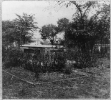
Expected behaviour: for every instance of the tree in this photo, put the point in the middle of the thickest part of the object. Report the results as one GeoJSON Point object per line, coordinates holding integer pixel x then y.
{"type": "Point", "coordinates": [85, 30]}
{"type": "Point", "coordinates": [82, 11]}
{"type": "Point", "coordinates": [104, 23]}
{"type": "Point", "coordinates": [77, 27]}
{"type": "Point", "coordinates": [49, 32]}
{"type": "Point", "coordinates": [7, 33]}
{"type": "Point", "coordinates": [20, 29]}
{"type": "Point", "coordinates": [24, 27]}
{"type": "Point", "coordinates": [62, 24]}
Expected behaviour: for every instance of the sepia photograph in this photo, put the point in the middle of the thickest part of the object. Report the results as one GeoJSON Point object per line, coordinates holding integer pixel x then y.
{"type": "Point", "coordinates": [56, 49]}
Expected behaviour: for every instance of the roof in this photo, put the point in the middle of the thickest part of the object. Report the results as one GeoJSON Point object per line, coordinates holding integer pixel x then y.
{"type": "Point", "coordinates": [40, 46]}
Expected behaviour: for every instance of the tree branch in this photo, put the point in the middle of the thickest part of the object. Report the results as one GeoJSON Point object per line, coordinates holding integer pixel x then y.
{"type": "Point", "coordinates": [78, 7]}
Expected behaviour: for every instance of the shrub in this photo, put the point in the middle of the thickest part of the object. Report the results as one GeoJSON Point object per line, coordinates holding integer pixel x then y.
{"type": "Point", "coordinates": [82, 59]}
{"type": "Point", "coordinates": [13, 58]}
{"type": "Point", "coordinates": [59, 62]}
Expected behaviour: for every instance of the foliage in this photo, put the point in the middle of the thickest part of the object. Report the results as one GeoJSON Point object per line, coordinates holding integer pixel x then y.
{"type": "Point", "coordinates": [7, 32]}
{"type": "Point", "coordinates": [86, 30]}
{"type": "Point", "coordinates": [34, 62]}
{"type": "Point", "coordinates": [24, 26]}
{"type": "Point", "coordinates": [104, 24]}
{"type": "Point", "coordinates": [13, 58]}
{"type": "Point", "coordinates": [49, 32]}
{"type": "Point", "coordinates": [85, 27]}
{"type": "Point", "coordinates": [62, 24]}
{"type": "Point", "coordinates": [19, 29]}
{"type": "Point", "coordinates": [89, 82]}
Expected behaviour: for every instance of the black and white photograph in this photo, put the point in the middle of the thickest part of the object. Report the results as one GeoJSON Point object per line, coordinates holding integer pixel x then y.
{"type": "Point", "coordinates": [55, 49]}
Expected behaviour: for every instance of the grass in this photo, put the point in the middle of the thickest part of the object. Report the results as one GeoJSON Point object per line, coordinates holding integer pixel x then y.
{"type": "Point", "coordinates": [82, 83]}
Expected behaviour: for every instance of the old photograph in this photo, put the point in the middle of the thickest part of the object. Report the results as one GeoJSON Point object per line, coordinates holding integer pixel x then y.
{"type": "Point", "coordinates": [56, 49]}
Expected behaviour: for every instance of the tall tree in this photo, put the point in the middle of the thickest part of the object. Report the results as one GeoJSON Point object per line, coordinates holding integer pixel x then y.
{"type": "Point", "coordinates": [49, 32]}
{"type": "Point", "coordinates": [83, 31]}
{"type": "Point", "coordinates": [19, 29]}
{"type": "Point", "coordinates": [104, 23]}
{"type": "Point", "coordinates": [62, 24]}
{"type": "Point", "coordinates": [24, 27]}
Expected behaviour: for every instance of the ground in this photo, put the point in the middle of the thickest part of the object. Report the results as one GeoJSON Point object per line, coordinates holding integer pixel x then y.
{"type": "Point", "coordinates": [82, 83]}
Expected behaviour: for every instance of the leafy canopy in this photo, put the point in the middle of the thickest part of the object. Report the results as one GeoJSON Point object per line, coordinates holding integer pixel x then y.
{"type": "Point", "coordinates": [19, 29]}
{"type": "Point", "coordinates": [49, 32]}
{"type": "Point", "coordinates": [86, 29]}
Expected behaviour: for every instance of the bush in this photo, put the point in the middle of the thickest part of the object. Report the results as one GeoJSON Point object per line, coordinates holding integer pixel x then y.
{"type": "Point", "coordinates": [82, 59]}
{"type": "Point", "coordinates": [35, 62]}
{"type": "Point", "coordinates": [13, 58]}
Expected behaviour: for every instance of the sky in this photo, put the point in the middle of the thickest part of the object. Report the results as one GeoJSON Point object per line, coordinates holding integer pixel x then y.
{"type": "Point", "coordinates": [45, 12]}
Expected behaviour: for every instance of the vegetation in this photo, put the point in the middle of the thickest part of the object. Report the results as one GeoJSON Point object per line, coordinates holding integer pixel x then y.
{"type": "Point", "coordinates": [86, 83]}
{"type": "Point", "coordinates": [81, 34]}
{"type": "Point", "coordinates": [77, 69]}
{"type": "Point", "coordinates": [12, 58]}
{"type": "Point", "coordinates": [18, 30]}
{"type": "Point", "coordinates": [49, 32]}
{"type": "Point", "coordinates": [85, 31]}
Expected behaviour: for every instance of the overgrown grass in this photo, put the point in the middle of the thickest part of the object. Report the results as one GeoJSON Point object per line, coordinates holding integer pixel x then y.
{"type": "Point", "coordinates": [82, 83]}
